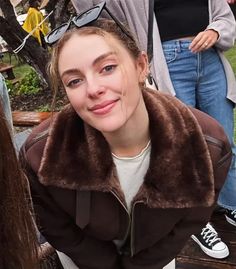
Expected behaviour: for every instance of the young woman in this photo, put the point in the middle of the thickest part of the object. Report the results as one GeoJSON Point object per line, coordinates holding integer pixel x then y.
{"type": "Point", "coordinates": [122, 176]}
{"type": "Point", "coordinates": [188, 40]}
{"type": "Point", "coordinates": [18, 241]}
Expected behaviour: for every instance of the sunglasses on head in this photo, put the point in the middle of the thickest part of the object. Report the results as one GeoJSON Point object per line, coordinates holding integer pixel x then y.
{"type": "Point", "coordinates": [81, 20]}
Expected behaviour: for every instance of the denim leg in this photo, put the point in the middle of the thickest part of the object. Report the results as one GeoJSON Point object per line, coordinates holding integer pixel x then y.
{"type": "Point", "coordinates": [182, 69]}
{"type": "Point", "coordinates": [199, 81]}
{"type": "Point", "coordinates": [211, 98]}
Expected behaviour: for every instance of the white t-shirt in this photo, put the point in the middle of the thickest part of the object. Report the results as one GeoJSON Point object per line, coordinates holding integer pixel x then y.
{"type": "Point", "coordinates": [131, 172]}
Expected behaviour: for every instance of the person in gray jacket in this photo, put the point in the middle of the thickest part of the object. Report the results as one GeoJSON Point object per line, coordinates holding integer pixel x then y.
{"type": "Point", "coordinates": [188, 62]}
{"type": "Point", "coordinates": [5, 101]}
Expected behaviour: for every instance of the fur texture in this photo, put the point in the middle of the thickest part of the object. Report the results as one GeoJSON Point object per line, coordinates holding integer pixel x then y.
{"type": "Point", "coordinates": [76, 156]}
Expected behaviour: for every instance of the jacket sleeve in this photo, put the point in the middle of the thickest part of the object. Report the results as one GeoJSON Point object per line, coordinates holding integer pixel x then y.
{"type": "Point", "coordinates": [61, 231]}
{"type": "Point", "coordinates": [218, 145]}
{"type": "Point", "coordinates": [221, 156]}
{"type": "Point", "coordinates": [167, 248]}
{"type": "Point", "coordinates": [224, 23]}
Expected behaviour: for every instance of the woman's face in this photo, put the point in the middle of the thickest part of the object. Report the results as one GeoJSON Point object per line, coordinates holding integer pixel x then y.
{"type": "Point", "coordinates": [101, 80]}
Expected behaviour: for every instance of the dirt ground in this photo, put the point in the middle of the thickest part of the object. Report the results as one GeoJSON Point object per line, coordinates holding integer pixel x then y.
{"type": "Point", "coordinates": [35, 102]}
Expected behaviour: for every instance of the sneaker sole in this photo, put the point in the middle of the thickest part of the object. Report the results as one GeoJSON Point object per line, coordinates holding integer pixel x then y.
{"type": "Point", "coordinates": [229, 220]}
{"type": "Point", "coordinates": [214, 254]}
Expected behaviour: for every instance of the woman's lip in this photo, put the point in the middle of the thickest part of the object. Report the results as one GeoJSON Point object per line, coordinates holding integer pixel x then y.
{"type": "Point", "coordinates": [103, 108]}
{"type": "Point", "coordinates": [102, 105]}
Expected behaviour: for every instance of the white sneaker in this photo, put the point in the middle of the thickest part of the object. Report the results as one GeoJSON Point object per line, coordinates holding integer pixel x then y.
{"type": "Point", "coordinates": [210, 243]}
{"type": "Point", "coordinates": [230, 216]}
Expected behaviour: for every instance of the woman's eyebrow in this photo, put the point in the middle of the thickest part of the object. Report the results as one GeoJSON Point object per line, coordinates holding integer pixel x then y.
{"type": "Point", "coordinates": [103, 56]}
{"type": "Point", "coordinates": [69, 72]}
{"type": "Point", "coordinates": [95, 62]}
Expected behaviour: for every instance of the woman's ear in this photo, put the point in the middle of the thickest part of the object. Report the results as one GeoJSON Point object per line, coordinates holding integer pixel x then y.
{"type": "Point", "coordinates": [142, 66]}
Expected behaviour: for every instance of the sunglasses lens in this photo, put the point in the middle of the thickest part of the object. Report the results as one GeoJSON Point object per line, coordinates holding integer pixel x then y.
{"type": "Point", "coordinates": [87, 17]}
{"type": "Point", "coordinates": [56, 34]}
{"type": "Point", "coordinates": [81, 20]}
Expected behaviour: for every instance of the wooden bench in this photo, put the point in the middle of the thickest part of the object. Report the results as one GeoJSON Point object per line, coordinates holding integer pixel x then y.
{"type": "Point", "coordinates": [7, 70]}
{"type": "Point", "coordinates": [29, 118]}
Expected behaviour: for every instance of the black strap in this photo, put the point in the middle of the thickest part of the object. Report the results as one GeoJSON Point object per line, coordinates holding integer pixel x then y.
{"type": "Point", "coordinates": [83, 199]}
{"type": "Point", "coordinates": [150, 30]}
{"type": "Point", "coordinates": [150, 78]}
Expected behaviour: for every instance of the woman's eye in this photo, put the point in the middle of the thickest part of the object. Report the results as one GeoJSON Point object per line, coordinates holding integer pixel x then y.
{"type": "Point", "coordinates": [74, 82]}
{"type": "Point", "coordinates": [109, 68]}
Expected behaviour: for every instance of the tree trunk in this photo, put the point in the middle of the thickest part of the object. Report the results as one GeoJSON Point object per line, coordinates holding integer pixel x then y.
{"type": "Point", "coordinates": [49, 7]}
{"type": "Point", "coordinates": [13, 34]}
{"type": "Point", "coordinates": [60, 14]}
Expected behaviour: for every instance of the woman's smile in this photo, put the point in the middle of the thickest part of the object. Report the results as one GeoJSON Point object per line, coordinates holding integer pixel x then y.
{"type": "Point", "coordinates": [104, 107]}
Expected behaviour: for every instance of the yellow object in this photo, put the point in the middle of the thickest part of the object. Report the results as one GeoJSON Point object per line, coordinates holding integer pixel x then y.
{"type": "Point", "coordinates": [33, 19]}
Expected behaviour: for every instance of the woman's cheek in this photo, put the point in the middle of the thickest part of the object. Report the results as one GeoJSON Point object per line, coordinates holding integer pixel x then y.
{"type": "Point", "coordinates": [77, 101]}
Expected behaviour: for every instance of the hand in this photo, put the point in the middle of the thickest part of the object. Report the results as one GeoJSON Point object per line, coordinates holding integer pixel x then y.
{"type": "Point", "coordinates": [204, 40]}
{"type": "Point", "coordinates": [231, 1]}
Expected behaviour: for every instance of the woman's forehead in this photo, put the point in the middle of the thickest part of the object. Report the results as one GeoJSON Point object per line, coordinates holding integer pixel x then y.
{"type": "Point", "coordinates": [86, 51]}
{"type": "Point", "coordinates": [88, 45]}
{"type": "Point", "coordinates": [105, 37]}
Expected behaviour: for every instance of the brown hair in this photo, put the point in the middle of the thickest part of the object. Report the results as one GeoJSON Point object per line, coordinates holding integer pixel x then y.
{"type": "Point", "coordinates": [34, 3]}
{"type": "Point", "coordinates": [101, 27]}
{"type": "Point", "coordinates": [18, 240]}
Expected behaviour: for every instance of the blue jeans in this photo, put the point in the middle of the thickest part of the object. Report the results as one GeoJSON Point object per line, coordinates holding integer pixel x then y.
{"type": "Point", "coordinates": [199, 81]}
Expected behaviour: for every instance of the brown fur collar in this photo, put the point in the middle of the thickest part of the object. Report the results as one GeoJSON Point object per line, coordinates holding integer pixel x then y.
{"type": "Point", "coordinates": [180, 175]}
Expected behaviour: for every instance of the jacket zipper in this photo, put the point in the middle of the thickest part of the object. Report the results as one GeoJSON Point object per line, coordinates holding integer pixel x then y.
{"type": "Point", "coordinates": [126, 210]}
{"type": "Point", "coordinates": [132, 248]}
{"type": "Point", "coordinates": [131, 222]}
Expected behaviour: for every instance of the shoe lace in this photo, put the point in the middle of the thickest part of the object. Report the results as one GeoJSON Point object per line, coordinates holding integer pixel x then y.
{"type": "Point", "coordinates": [233, 212]}
{"type": "Point", "coordinates": [210, 235]}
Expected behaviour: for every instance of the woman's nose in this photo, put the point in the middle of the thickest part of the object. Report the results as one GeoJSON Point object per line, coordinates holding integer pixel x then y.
{"type": "Point", "coordinates": [94, 88]}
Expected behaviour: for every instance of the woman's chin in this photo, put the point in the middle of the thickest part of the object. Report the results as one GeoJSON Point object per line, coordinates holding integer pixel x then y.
{"type": "Point", "coordinates": [109, 126]}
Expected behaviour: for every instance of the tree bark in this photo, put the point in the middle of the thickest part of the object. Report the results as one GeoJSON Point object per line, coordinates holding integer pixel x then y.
{"type": "Point", "coordinates": [49, 7]}
{"type": "Point", "coordinates": [13, 34]}
{"type": "Point", "coordinates": [60, 14]}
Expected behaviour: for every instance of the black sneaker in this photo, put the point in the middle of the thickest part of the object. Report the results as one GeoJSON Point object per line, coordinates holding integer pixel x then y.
{"type": "Point", "coordinates": [230, 216]}
{"type": "Point", "coordinates": [210, 243]}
